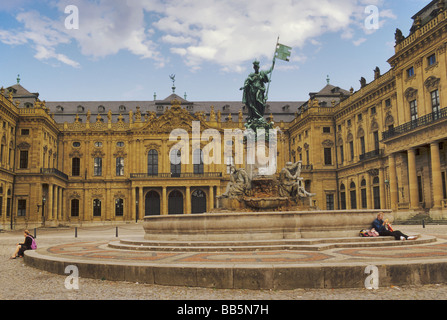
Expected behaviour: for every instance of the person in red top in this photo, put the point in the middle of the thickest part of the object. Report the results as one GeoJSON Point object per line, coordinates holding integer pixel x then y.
{"type": "Point", "coordinates": [22, 247]}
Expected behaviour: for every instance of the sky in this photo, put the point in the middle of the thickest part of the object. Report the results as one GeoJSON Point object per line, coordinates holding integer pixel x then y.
{"type": "Point", "coordinates": [126, 50]}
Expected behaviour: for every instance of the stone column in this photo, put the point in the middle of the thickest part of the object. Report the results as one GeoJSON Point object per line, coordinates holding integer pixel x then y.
{"type": "Point", "coordinates": [383, 203]}
{"type": "Point", "coordinates": [436, 175]}
{"type": "Point", "coordinates": [412, 179]}
{"type": "Point", "coordinates": [133, 203]}
{"type": "Point", "coordinates": [211, 202]}
{"type": "Point", "coordinates": [369, 192]}
{"type": "Point", "coordinates": [50, 202]}
{"type": "Point", "coordinates": [164, 201]}
{"type": "Point", "coordinates": [63, 206]}
{"type": "Point", "coordinates": [141, 201]}
{"type": "Point", "coordinates": [394, 197]}
{"type": "Point", "coordinates": [188, 200]}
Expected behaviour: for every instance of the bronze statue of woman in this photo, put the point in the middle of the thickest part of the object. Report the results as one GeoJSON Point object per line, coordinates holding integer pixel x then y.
{"type": "Point", "coordinates": [254, 92]}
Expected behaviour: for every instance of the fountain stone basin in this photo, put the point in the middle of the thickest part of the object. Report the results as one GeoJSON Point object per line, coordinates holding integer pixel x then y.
{"type": "Point", "coordinates": [260, 225]}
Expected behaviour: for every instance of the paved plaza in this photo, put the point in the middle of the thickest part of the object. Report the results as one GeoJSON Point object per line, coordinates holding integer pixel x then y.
{"type": "Point", "coordinates": [91, 242]}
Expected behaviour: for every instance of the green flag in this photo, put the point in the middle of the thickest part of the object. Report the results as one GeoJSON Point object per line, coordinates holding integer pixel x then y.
{"type": "Point", "coordinates": [283, 52]}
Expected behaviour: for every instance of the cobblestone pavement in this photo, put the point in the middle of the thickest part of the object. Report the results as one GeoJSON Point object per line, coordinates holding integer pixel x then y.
{"type": "Point", "coordinates": [16, 277]}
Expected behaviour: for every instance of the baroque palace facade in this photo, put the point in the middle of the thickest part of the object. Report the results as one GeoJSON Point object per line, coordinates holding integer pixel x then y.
{"type": "Point", "coordinates": [381, 147]}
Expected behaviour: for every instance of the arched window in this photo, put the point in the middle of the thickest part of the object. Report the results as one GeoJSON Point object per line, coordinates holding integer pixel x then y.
{"type": "Point", "coordinates": [353, 194]}
{"type": "Point", "coordinates": [176, 163]}
{"type": "Point", "coordinates": [376, 192]}
{"type": "Point", "coordinates": [198, 161]}
{"type": "Point", "coordinates": [198, 201]}
{"type": "Point", "coordinates": [342, 197]}
{"type": "Point", "coordinates": [363, 194]}
{"type": "Point", "coordinates": [152, 163]}
{"type": "Point", "coordinates": [175, 202]}
{"type": "Point", "coordinates": [152, 203]}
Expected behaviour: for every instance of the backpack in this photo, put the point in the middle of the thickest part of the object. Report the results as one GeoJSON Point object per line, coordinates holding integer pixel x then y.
{"type": "Point", "coordinates": [369, 233]}
{"type": "Point", "coordinates": [33, 244]}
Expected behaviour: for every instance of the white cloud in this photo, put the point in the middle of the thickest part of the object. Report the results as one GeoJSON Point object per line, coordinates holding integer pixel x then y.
{"type": "Point", "coordinates": [228, 33]}
{"type": "Point", "coordinates": [358, 41]}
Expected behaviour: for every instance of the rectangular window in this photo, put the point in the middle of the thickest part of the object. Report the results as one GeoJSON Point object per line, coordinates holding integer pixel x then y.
{"type": "Point", "coordinates": [342, 155]}
{"type": "Point", "coordinates": [328, 156]}
{"type": "Point", "coordinates": [21, 208]}
{"type": "Point", "coordinates": [96, 208]}
{"type": "Point", "coordinates": [410, 72]}
{"type": "Point", "coordinates": [431, 60]}
{"type": "Point", "coordinates": [435, 104]}
{"type": "Point", "coordinates": [376, 140]}
{"type": "Point", "coordinates": [414, 111]}
{"type": "Point", "coordinates": [25, 132]}
{"type": "Point", "coordinates": [97, 170]}
{"type": "Point", "coordinates": [75, 208]}
{"type": "Point", "coordinates": [23, 159]}
{"type": "Point", "coordinates": [373, 110]}
{"type": "Point", "coordinates": [120, 166]}
{"type": "Point", "coordinates": [388, 103]}
{"type": "Point", "coordinates": [75, 167]}
{"type": "Point", "coordinates": [330, 202]}
{"type": "Point", "coordinates": [326, 129]}
{"type": "Point", "coordinates": [119, 207]}
{"type": "Point", "coordinates": [351, 145]}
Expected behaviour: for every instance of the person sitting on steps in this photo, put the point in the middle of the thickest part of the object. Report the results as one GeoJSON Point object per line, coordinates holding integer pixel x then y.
{"type": "Point", "coordinates": [384, 228]}
{"type": "Point", "coordinates": [22, 247]}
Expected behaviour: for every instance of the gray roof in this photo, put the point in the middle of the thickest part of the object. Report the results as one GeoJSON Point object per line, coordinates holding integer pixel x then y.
{"type": "Point", "coordinates": [65, 111]}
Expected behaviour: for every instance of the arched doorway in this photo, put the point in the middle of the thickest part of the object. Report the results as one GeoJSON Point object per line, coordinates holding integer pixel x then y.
{"type": "Point", "coordinates": [152, 204]}
{"type": "Point", "coordinates": [198, 201]}
{"type": "Point", "coordinates": [175, 203]}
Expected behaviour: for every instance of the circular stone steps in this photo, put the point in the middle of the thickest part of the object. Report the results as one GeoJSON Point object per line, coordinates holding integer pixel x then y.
{"type": "Point", "coordinates": [263, 245]}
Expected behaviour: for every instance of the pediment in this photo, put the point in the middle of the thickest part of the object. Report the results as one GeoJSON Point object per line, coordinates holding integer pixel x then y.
{"type": "Point", "coordinates": [174, 117]}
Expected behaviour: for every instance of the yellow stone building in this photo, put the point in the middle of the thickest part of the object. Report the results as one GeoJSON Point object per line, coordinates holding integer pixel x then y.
{"type": "Point", "coordinates": [381, 147]}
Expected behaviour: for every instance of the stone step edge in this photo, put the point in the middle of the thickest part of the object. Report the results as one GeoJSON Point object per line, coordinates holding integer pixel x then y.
{"type": "Point", "coordinates": [313, 247]}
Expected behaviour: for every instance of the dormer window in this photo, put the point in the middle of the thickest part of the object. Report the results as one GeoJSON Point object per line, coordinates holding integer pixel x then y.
{"type": "Point", "coordinates": [101, 109]}
{"type": "Point", "coordinates": [122, 109]}
{"type": "Point", "coordinates": [58, 108]}
{"type": "Point", "coordinates": [336, 90]}
{"type": "Point", "coordinates": [80, 109]}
